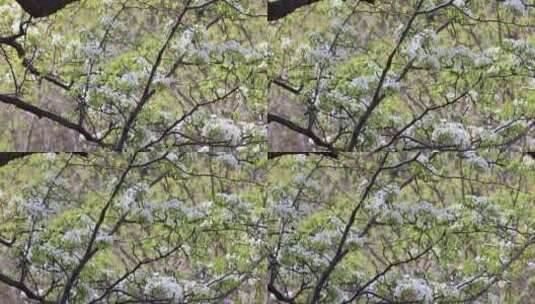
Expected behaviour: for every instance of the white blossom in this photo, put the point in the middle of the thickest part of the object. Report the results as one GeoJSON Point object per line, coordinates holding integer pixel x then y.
{"type": "Point", "coordinates": [306, 181]}
{"type": "Point", "coordinates": [192, 213]}
{"type": "Point", "coordinates": [417, 287]}
{"type": "Point", "coordinates": [128, 200]}
{"type": "Point", "coordinates": [336, 3]}
{"type": "Point", "coordinates": [451, 133]}
{"type": "Point", "coordinates": [414, 46]}
{"type": "Point", "coordinates": [91, 49]}
{"type": "Point", "coordinates": [323, 237]}
{"type": "Point", "coordinates": [73, 236]}
{"type": "Point", "coordinates": [172, 156]}
{"type": "Point", "coordinates": [164, 286]}
{"type": "Point", "coordinates": [227, 158]}
{"type": "Point", "coordinates": [204, 149]}
{"type": "Point", "coordinates": [459, 3]}
{"type": "Point", "coordinates": [222, 129]}
{"type": "Point", "coordinates": [283, 207]}
{"type": "Point", "coordinates": [476, 160]}
{"type": "Point", "coordinates": [131, 78]}
{"type": "Point", "coordinates": [173, 204]}
{"type": "Point", "coordinates": [108, 21]}
{"type": "Point", "coordinates": [37, 207]}
{"type": "Point", "coordinates": [516, 4]}
{"type": "Point", "coordinates": [104, 238]}
{"type": "Point", "coordinates": [286, 42]}
{"type": "Point", "coordinates": [362, 82]}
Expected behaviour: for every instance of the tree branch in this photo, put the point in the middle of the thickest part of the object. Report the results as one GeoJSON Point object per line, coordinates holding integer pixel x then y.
{"type": "Point", "coordinates": [272, 155]}
{"type": "Point", "coordinates": [91, 249]}
{"type": "Point", "coordinates": [378, 95]}
{"type": "Point", "coordinates": [40, 113]}
{"type": "Point", "coordinates": [40, 8]}
{"type": "Point", "coordinates": [148, 92]}
{"type": "Point", "coordinates": [20, 286]}
{"type": "Point", "coordinates": [281, 8]}
{"type": "Point", "coordinates": [293, 126]}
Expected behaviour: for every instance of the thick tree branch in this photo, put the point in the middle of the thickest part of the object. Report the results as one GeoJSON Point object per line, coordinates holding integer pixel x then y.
{"type": "Point", "coordinates": [20, 286]}
{"type": "Point", "coordinates": [293, 126]}
{"type": "Point", "coordinates": [285, 85]}
{"type": "Point", "coordinates": [281, 8]}
{"type": "Point", "coordinates": [40, 8]}
{"type": "Point", "coordinates": [272, 155]}
{"type": "Point", "coordinates": [17, 102]}
{"type": "Point", "coordinates": [6, 157]}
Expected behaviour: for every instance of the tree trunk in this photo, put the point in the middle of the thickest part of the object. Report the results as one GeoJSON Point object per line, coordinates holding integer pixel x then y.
{"type": "Point", "coordinates": [40, 8]}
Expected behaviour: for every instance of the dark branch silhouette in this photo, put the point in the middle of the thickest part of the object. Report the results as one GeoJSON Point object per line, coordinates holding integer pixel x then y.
{"type": "Point", "coordinates": [282, 8]}
{"type": "Point", "coordinates": [272, 155]}
{"type": "Point", "coordinates": [40, 8]}
{"type": "Point", "coordinates": [9, 156]}
{"type": "Point", "coordinates": [295, 127]}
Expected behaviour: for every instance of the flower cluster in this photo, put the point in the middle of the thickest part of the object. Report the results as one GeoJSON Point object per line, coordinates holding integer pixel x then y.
{"type": "Point", "coordinates": [415, 288]}
{"type": "Point", "coordinates": [451, 133]}
{"type": "Point", "coordinates": [222, 129]}
{"type": "Point", "coordinates": [164, 286]}
{"type": "Point", "coordinates": [476, 160]}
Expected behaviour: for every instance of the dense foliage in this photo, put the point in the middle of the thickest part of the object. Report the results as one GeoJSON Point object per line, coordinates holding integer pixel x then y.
{"type": "Point", "coordinates": [407, 75]}
{"type": "Point", "coordinates": [139, 74]}
{"type": "Point", "coordinates": [425, 109]}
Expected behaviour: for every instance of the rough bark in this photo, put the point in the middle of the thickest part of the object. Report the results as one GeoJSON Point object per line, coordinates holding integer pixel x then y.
{"type": "Point", "coordinates": [40, 8]}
